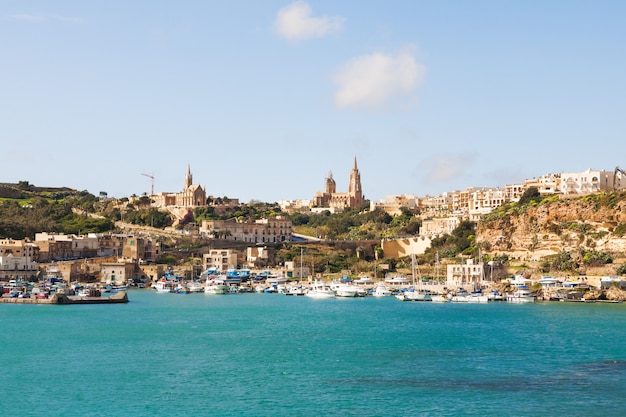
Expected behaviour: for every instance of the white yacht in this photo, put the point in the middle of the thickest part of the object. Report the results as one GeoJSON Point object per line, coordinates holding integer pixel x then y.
{"type": "Point", "coordinates": [381, 290]}
{"type": "Point", "coordinates": [195, 286]}
{"type": "Point", "coordinates": [521, 295]}
{"type": "Point", "coordinates": [320, 290]}
{"type": "Point", "coordinates": [343, 289]}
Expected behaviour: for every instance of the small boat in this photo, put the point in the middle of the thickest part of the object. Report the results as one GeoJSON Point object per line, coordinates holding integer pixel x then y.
{"type": "Point", "coordinates": [381, 290]}
{"type": "Point", "coordinates": [320, 290]}
{"type": "Point", "coordinates": [416, 295]}
{"type": "Point", "coordinates": [440, 298]}
{"type": "Point", "coordinates": [165, 285]}
{"type": "Point", "coordinates": [195, 286]}
{"type": "Point", "coordinates": [182, 289]}
{"type": "Point", "coordinates": [295, 291]}
{"type": "Point", "coordinates": [343, 289]}
{"type": "Point", "coordinates": [216, 285]}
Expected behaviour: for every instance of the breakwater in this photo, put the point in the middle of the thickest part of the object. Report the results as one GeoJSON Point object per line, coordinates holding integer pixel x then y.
{"type": "Point", "coordinates": [60, 298]}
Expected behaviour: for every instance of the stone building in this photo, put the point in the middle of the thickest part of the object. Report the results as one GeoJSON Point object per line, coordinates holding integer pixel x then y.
{"type": "Point", "coordinates": [330, 198]}
{"type": "Point", "coordinates": [269, 230]}
{"type": "Point", "coordinates": [192, 195]}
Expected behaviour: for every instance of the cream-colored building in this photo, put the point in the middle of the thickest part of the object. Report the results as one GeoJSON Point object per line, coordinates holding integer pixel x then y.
{"type": "Point", "coordinates": [469, 276]}
{"type": "Point", "coordinates": [220, 259]}
{"type": "Point", "coordinates": [394, 204]}
{"type": "Point", "coordinates": [192, 195]}
{"type": "Point", "coordinates": [117, 273]}
{"type": "Point", "coordinates": [268, 230]}
{"type": "Point", "coordinates": [17, 267]}
{"type": "Point", "coordinates": [330, 198]}
{"type": "Point", "coordinates": [439, 226]}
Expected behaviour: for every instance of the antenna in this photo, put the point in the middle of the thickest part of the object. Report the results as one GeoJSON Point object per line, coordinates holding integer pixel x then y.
{"type": "Point", "coordinates": [151, 176]}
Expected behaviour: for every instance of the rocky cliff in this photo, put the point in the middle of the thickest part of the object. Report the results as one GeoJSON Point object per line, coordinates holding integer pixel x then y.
{"type": "Point", "coordinates": [538, 229]}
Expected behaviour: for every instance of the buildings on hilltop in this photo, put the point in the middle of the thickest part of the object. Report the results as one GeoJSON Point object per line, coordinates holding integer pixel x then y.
{"type": "Point", "coordinates": [269, 230]}
{"type": "Point", "coordinates": [192, 195]}
{"type": "Point", "coordinates": [331, 200]}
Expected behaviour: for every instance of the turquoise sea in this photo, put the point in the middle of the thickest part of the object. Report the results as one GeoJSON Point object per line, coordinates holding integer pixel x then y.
{"type": "Point", "coordinates": [274, 355]}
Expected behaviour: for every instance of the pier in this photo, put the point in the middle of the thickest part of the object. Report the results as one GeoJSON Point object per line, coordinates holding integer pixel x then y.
{"type": "Point", "coordinates": [62, 299]}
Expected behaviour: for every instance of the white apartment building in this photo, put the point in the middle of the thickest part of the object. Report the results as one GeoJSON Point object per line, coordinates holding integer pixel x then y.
{"type": "Point", "coordinates": [394, 204]}
{"type": "Point", "coordinates": [587, 182]}
{"type": "Point", "coordinates": [17, 267]}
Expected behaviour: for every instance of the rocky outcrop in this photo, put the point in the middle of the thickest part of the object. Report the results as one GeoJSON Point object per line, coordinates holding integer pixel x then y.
{"type": "Point", "coordinates": [536, 230]}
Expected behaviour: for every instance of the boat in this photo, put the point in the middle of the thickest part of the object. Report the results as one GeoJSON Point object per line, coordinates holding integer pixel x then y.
{"type": "Point", "coordinates": [165, 285]}
{"type": "Point", "coordinates": [299, 290]}
{"type": "Point", "coordinates": [460, 296]}
{"type": "Point", "coordinates": [440, 298]}
{"type": "Point", "coordinates": [381, 290]}
{"type": "Point", "coordinates": [478, 297]}
{"type": "Point", "coordinates": [415, 294]}
{"type": "Point", "coordinates": [344, 289]}
{"type": "Point", "coordinates": [320, 290]}
{"type": "Point", "coordinates": [195, 286]}
{"type": "Point", "coordinates": [181, 289]}
{"type": "Point", "coordinates": [521, 295]}
{"type": "Point", "coordinates": [216, 285]}
{"type": "Point", "coordinates": [397, 280]}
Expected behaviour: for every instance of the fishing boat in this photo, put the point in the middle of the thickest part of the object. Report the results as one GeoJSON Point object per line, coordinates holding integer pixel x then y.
{"type": "Point", "coordinates": [165, 285]}
{"type": "Point", "coordinates": [216, 285]}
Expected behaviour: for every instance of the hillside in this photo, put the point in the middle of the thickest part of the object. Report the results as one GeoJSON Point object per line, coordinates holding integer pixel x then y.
{"type": "Point", "coordinates": [545, 227]}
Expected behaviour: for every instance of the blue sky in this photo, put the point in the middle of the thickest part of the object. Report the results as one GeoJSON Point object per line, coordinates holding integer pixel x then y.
{"type": "Point", "coordinates": [264, 98]}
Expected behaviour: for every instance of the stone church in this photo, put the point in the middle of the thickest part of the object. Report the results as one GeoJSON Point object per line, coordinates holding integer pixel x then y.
{"type": "Point", "coordinates": [192, 195]}
{"type": "Point", "coordinates": [335, 201]}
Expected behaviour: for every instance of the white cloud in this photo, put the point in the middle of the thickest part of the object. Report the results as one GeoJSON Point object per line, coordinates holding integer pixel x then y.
{"type": "Point", "coordinates": [294, 22]}
{"type": "Point", "coordinates": [445, 167]}
{"type": "Point", "coordinates": [376, 79]}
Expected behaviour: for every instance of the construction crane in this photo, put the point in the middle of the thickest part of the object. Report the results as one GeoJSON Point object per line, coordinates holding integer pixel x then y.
{"type": "Point", "coordinates": [618, 169]}
{"type": "Point", "coordinates": [152, 178]}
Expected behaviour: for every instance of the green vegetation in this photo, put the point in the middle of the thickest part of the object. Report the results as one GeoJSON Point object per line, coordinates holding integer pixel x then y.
{"type": "Point", "coordinates": [19, 222]}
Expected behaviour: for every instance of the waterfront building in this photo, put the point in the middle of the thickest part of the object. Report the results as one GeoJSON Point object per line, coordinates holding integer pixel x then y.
{"type": "Point", "coordinates": [117, 273]}
{"type": "Point", "coordinates": [19, 248]}
{"type": "Point", "coordinates": [469, 275]}
{"type": "Point", "coordinates": [20, 268]}
{"type": "Point", "coordinates": [59, 246]}
{"type": "Point", "coordinates": [140, 249]}
{"type": "Point", "coordinates": [220, 259]}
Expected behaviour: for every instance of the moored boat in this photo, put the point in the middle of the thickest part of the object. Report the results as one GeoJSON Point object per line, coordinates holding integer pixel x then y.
{"type": "Point", "coordinates": [521, 295]}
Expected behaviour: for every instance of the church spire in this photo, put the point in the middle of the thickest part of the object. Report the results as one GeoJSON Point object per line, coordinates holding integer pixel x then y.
{"type": "Point", "coordinates": [188, 177]}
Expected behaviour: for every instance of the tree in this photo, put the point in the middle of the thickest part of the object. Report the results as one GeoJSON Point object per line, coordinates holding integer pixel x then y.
{"type": "Point", "coordinates": [531, 194]}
